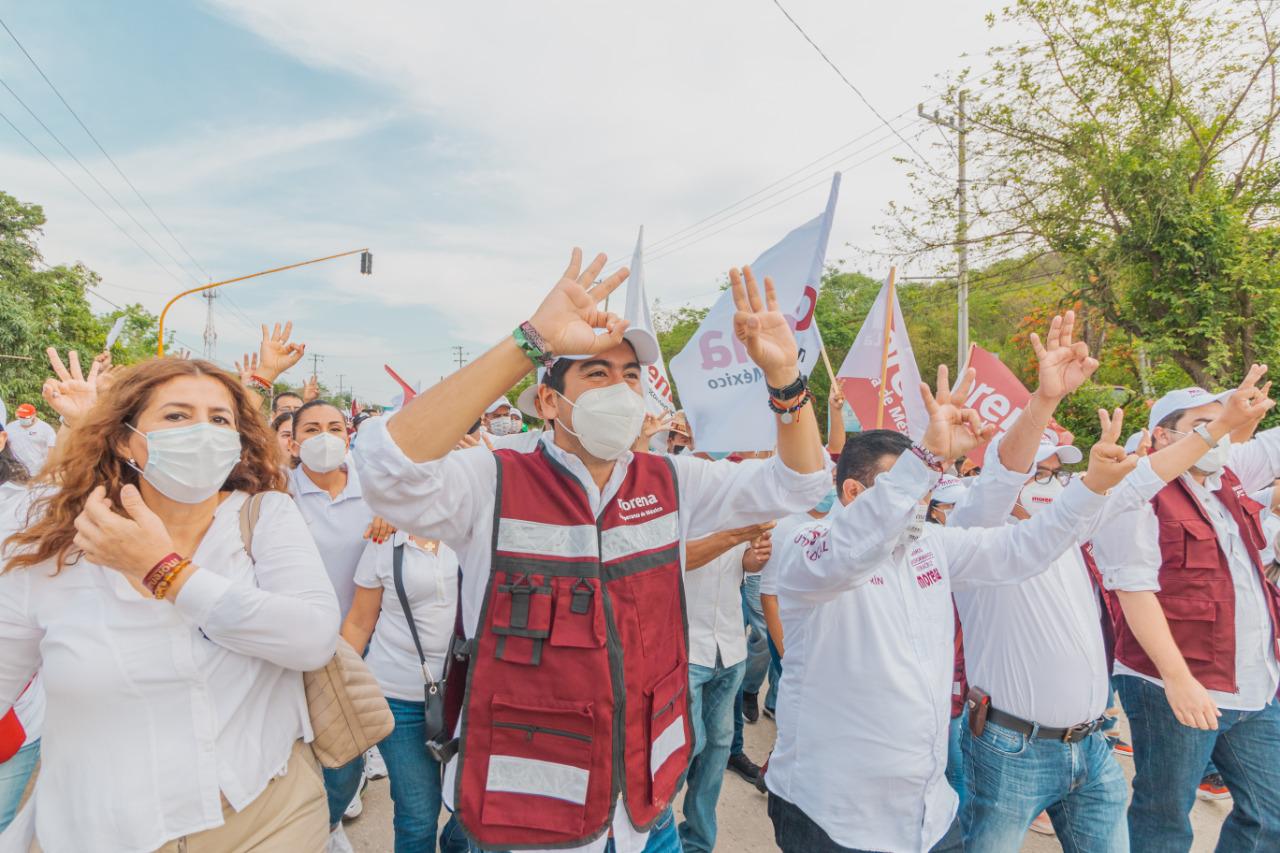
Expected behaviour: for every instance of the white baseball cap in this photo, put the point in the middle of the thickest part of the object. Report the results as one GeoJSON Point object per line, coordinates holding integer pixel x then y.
{"type": "Point", "coordinates": [641, 340]}
{"type": "Point", "coordinates": [1183, 398]}
{"type": "Point", "coordinates": [497, 404]}
{"type": "Point", "coordinates": [525, 402]}
{"type": "Point", "coordinates": [949, 490]}
{"type": "Point", "coordinates": [1131, 443]}
{"type": "Point", "coordinates": [1068, 454]}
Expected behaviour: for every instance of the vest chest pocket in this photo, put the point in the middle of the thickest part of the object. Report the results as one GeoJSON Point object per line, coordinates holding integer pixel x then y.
{"type": "Point", "coordinates": [668, 742]}
{"type": "Point", "coordinates": [579, 614]}
{"type": "Point", "coordinates": [1190, 543]}
{"type": "Point", "coordinates": [1191, 622]}
{"type": "Point", "coordinates": [540, 763]}
{"type": "Point", "coordinates": [521, 617]}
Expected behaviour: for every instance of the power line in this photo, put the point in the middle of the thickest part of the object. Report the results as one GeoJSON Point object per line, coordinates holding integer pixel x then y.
{"type": "Point", "coordinates": [110, 160]}
{"type": "Point", "coordinates": [847, 81]}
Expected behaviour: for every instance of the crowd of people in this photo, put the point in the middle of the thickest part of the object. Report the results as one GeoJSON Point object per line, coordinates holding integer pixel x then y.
{"type": "Point", "coordinates": [571, 610]}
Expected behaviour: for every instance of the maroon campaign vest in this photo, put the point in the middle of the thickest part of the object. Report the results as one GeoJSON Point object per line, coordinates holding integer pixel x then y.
{"type": "Point", "coordinates": [1109, 606]}
{"type": "Point", "coordinates": [1196, 591]}
{"type": "Point", "coordinates": [959, 680]}
{"type": "Point", "coordinates": [577, 690]}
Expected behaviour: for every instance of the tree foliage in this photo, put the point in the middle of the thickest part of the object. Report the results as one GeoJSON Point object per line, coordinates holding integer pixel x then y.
{"type": "Point", "coordinates": [1131, 142]}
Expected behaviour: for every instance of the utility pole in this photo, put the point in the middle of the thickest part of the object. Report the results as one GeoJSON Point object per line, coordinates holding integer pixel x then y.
{"type": "Point", "coordinates": [957, 124]}
{"type": "Point", "coordinates": [459, 356]}
{"type": "Point", "coordinates": [316, 358]}
{"type": "Point", "coordinates": [341, 376]}
{"type": "Point", "coordinates": [210, 334]}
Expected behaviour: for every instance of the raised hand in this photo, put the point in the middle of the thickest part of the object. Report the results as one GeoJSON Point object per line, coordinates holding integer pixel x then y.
{"type": "Point", "coordinates": [311, 389]}
{"type": "Point", "coordinates": [1249, 403]}
{"type": "Point", "coordinates": [247, 368]}
{"type": "Point", "coordinates": [131, 544]}
{"type": "Point", "coordinates": [953, 430]}
{"type": "Point", "coordinates": [569, 316]}
{"type": "Point", "coordinates": [654, 424]}
{"type": "Point", "coordinates": [1064, 366]}
{"type": "Point", "coordinates": [71, 394]}
{"type": "Point", "coordinates": [763, 329]}
{"type": "Point", "coordinates": [1108, 463]}
{"type": "Point", "coordinates": [276, 354]}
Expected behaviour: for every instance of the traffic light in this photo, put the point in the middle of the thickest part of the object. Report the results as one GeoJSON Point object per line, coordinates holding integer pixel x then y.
{"type": "Point", "coordinates": [366, 263]}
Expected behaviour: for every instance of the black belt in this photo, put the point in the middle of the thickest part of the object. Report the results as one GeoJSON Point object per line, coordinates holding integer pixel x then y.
{"type": "Point", "coordinates": [1072, 734]}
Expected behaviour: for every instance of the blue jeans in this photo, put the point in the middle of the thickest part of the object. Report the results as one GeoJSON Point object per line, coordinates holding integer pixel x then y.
{"type": "Point", "coordinates": [340, 787]}
{"type": "Point", "coordinates": [663, 838]}
{"type": "Point", "coordinates": [796, 832]}
{"type": "Point", "coordinates": [955, 759]}
{"type": "Point", "coordinates": [414, 776]}
{"type": "Point", "coordinates": [1013, 777]}
{"type": "Point", "coordinates": [14, 775]}
{"type": "Point", "coordinates": [1169, 761]}
{"type": "Point", "coordinates": [711, 694]}
{"type": "Point", "coordinates": [775, 676]}
{"type": "Point", "coordinates": [757, 655]}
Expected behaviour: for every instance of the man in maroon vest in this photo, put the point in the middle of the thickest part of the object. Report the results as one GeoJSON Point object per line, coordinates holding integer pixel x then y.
{"type": "Point", "coordinates": [1196, 665]}
{"type": "Point", "coordinates": [575, 729]}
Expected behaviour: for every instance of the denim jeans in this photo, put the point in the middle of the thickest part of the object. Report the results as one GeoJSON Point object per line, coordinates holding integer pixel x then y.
{"type": "Point", "coordinates": [711, 694]}
{"type": "Point", "coordinates": [955, 759]}
{"type": "Point", "coordinates": [1013, 777]}
{"type": "Point", "coordinates": [758, 658]}
{"type": "Point", "coordinates": [796, 832]}
{"type": "Point", "coordinates": [663, 838]}
{"type": "Point", "coordinates": [14, 775]}
{"type": "Point", "coordinates": [1169, 761]}
{"type": "Point", "coordinates": [414, 776]}
{"type": "Point", "coordinates": [775, 677]}
{"type": "Point", "coordinates": [340, 786]}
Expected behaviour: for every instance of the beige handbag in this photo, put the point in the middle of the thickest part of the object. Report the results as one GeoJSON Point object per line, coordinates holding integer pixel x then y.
{"type": "Point", "coordinates": [349, 714]}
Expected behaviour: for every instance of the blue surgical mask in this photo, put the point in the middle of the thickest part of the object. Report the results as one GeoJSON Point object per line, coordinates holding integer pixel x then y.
{"type": "Point", "coordinates": [828, 501]}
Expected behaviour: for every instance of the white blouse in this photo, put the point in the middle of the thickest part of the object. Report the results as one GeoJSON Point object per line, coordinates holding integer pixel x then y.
{"type": "Point", "coordinates": [155, 709]}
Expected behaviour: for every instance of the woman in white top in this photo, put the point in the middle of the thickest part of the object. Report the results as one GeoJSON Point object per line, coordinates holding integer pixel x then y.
{"type": "Point", "coordinates": [429, 577]}
{"type": "Point", "coordinates": [175, 710]}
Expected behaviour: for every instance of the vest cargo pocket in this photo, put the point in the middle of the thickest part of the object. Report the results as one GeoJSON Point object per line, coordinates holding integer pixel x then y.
{"type": "Point", "coordinates": [539, 765]}
{"type": "Point", "coordinates": [1201, 545]}
{"type": "Point", "coordinates": [521, 617]}
{"type": "Point", "coordinates": [1196, 617]}
{"type": "Point", "coordinates": [669, 745]}
{"type": "Point", "coordinates": [579, 614]}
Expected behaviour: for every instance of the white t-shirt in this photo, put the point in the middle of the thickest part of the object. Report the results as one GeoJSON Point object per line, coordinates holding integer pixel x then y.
{"type": "Point", "coordinates": [31, 444]}
{"type": "Point", "coordinates": [431, 585]}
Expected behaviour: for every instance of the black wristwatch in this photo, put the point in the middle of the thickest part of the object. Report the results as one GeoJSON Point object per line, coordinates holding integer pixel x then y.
{"type": "Point", "coordinates": [789, 392]}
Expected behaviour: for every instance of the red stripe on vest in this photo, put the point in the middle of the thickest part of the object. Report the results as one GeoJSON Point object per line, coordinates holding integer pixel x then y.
{"type": "Point", "coordinates": [577, 690]}
{"type": "Point", "coordinates": [1196, 590]}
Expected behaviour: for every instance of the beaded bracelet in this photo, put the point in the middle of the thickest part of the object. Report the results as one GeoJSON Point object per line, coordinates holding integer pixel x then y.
{"type": "Point", "coordinates": [258, 382]}
{"type": "Point", "coordinates": [162, 588]}
{"type": "Point", "coordinates": [159, 570]}
{"type": "Point", "coordinates": [788, 413]}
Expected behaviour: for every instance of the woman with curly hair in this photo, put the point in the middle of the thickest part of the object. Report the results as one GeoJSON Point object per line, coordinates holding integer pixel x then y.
{"type": "Point", "coordinates": [171, 659]}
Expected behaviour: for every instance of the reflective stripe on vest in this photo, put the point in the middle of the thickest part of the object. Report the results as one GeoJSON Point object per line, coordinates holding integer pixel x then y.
{"type": "Point", "coordinates": [577, 691]}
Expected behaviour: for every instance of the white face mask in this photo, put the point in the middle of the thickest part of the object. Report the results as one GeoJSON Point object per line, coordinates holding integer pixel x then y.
{"type": "Point", "coordinates": [27, 422]}
{"type": "Point", "coordinates": [323, 453]}
{"type": "Point", "coordinates": [189, 464]}
{"type": "Point", "coordinates": [1216, 459]}
{"type": "Point", "coordinates": [607, 420]}
{"type": "Point", "coordinates": [1037, 497]}
{"type": "Point", "coordinates": [502, 426]}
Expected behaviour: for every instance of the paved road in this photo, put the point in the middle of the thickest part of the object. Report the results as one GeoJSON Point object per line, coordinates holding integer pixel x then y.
{"type": "Point", "coordinates": [743, 825]}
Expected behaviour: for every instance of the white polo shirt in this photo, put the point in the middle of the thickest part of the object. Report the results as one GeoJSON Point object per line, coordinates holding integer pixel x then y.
{"type": "Point", "coordinates": [338, 526]}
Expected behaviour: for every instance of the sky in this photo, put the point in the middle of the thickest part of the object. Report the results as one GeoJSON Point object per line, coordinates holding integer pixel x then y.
{"type": "Point", "coordinates": [470, 146]}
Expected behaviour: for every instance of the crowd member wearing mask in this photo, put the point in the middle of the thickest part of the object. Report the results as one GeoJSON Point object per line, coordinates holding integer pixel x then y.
{"type": "Point", "coordinates": [425, 588]}
{"type": "Point", "coordinates": [1196, 662]}
{"type": "Point", "coordinates": [497, 419]}
{"type": "Point", "coordinates": [865, 599]}
{"type": "Point", "coordinates": [30, 438]}
{"type": "Point", "coordinates": [601, 530]}
{"type": "Point", "coordinates": [171, 660]}
{"type": "Point", "coordinates": [328, 492]}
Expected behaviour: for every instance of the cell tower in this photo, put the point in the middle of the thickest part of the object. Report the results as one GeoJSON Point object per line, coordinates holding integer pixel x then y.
{"type": "Point", "coordinates": [210, 334]}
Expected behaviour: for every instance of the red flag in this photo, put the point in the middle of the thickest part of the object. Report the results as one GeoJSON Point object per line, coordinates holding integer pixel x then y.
{"type": "Point", "coordinates": [997, 395]}
{"type": "Point", "coordinates": [409, 393]}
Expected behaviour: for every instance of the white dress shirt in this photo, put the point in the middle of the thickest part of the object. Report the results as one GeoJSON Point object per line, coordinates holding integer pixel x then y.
{"type": "Point", "coordinates": [1128, 553]}
{"type": "Point", "coordinates": [431, 585]}
{"type": "Point", "coordinates": [452, 499]}
{"type": "Point", "coordinates": [337, 525]}
{"type": "Point", "coordinates": [781, 533]}
{"type": "Point", "coordinates": [155, 709]}
{"type": "Point", "coordinates": [864, 705]}
{"type": "Point", "coordinates": [31, 444]}
{"type": "Point", "coordinates": [713, 599]}
{"type": "Point", "coordinates": [1037, 647]}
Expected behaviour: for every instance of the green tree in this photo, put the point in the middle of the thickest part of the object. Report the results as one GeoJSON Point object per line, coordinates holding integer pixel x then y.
{"type": "Point", "coordinates": [1131, 142]}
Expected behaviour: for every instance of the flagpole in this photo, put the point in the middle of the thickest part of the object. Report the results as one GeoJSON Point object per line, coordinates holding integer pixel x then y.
{"type": "Point", "coordinates": [884, 352]}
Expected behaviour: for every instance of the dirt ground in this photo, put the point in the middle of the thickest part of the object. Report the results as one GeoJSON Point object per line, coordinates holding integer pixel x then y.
{"type": "Point", "coordinates": [743, 825]}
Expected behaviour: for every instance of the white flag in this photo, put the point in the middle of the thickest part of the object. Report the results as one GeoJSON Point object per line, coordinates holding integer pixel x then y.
{"type": "Point", "coordinates": [657, 396]}
{"type": "Point", "coordinates": [116, 329]}
{"type": "Point", "coordinates": [722, 392]}
{"type": "Point", "coordinates": [869, 359]}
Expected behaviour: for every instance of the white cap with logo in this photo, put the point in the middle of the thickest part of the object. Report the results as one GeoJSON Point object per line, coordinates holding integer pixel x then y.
{"type": "Point", "coordinates": [949, 490]}
{"type": "Point", "coordinates": [1068, 454]}
{"type": "Point", "coordinates": [641, 340]}
{"type": "Point", "coordinates": [1183, 398]}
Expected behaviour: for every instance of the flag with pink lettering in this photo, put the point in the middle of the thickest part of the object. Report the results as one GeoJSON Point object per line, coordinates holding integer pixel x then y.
{"type": "Point", "coordinates": [723, 393]}
{"type": "Point", "coordinates": [657, 396]}
{"type": "Point", "coordinates": [868, 360]}
{"type": "Point", "coordinates": [997, 395]}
